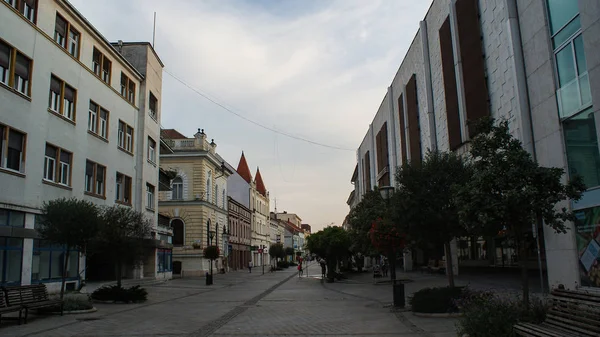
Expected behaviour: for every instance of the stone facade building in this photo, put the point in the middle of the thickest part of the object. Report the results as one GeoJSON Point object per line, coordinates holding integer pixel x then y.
{"type": "Point", "coordinates": [79, 117]}
{"type": "Point", "coordinates": [197, 203]}
{"type": "Point", "coordinates": [533, 63]}
{"type": "Point", "coordinates": [238, 191]}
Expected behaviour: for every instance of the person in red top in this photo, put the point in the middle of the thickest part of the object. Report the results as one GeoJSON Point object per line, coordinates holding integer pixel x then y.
{"type": "Point", "coordinates": [300, 271]}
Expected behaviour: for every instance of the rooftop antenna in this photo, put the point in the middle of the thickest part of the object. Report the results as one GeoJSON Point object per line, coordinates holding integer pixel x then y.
{"type": "Point", "coordinates": [154, 30]}
{"type": "Point", "coordinates": [275, 207]}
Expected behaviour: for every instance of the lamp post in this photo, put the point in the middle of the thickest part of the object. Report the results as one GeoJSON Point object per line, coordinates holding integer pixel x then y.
{"type": "Point", "coordinates": [211, 235]}
{"type": "Point", "coordinates": [397, 287]}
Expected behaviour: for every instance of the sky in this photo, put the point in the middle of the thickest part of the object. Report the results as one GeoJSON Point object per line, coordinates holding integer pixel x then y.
{"type": "Point", "coordinates": [314, 69]}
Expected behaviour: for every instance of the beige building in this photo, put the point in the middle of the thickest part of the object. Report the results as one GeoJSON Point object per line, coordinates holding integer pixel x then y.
{"type": "Point", "coordinates": [197, 202]}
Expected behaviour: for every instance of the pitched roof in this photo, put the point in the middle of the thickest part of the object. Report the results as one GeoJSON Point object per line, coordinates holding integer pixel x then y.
{"type": "Point", "coordinates": [260, 185]}
{"type": "Point", "coordinates": [171, 134]}
{"type": "Point", "coordinates": [243, 170]}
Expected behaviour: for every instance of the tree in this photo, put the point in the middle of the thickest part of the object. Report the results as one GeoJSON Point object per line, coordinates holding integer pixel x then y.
{"type": "Point", "coordinates": [123, 231]}
{"type": "Point", "coordinates": [276, 251]}
{"type": "Point", "coordinates": [388, 240]}
{"type": "Point", "coordinates": [426, 200]}
{"type": "Point", "coordinates": [331, 243]}
{"type": "Point", "coordinates": [361, 217]}
{"type": "Point", "coordinates": [509, 191]}
{"type": "Point", "coordinates": [72, 223]}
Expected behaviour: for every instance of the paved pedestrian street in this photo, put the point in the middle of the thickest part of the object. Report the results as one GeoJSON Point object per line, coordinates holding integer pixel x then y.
{"type": "Point", "coordinates": [240, 304]}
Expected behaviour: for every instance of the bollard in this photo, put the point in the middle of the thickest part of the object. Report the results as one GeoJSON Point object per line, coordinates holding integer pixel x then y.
{"type": "Point", "coordinates": [398, 294]}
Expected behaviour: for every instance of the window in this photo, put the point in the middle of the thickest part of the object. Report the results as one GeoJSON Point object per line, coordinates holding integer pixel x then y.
{"type": "Point", "coordinates": [217, 194]}
{"type": "Point", "coordinates": [15, 69]}
{"type": "Point", "coordinates": [11, 218]}
{"type": "Point", "coordinates": [153, 106]}
{"type": "Point", "coordinates": [177, 189]}
{"type": "Point", "coordinates": [574, 94]}
{"type": "Point", "coordinates": [101, 66]}
{"type": "Point", "coordinates": [57, 165]}
{"type": "Point", "coordinates": [123, 190]}
{"type": "Point", "coordinates": [178, 232]}
{"type": "Point", "coordinates": [49, 262]}
{"type": "Point", "coordinates": [165, 260]}
{"type": "Point", "coordinates": [127, 88]}
{"type": "Point", "coordinates": [151, 150]}
{"type": "Point", "coordinates": [208, 186]}
{"type": "Point", "coordinates": [66, 36]}
{"type": "Point", "coordinates": [11, 260]}
{"type": "Point", "coordinates": [95, 176]}
{"type": "Point", "coordinates": [62, 98]}
{"type": "Point", "coordinates": [12, 149]}
{"type": "Point", "coordinates": [27, 8]}
{"type": "Point", "coordinates": [149, 196]}
{"type": "Point", "coordinates": [98, 120]}
{"type": "Point", "coordinates": [125, 140]}
{"type": "Point", "coordinates": [224, 200]}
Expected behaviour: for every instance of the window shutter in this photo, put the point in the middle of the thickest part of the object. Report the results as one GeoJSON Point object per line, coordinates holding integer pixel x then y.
{"type": "Point", "coordinates": [15, 140]}
{"type": "Point", "coordinates": [100, 174]}
{"type": "Point", "coordinates": [22, 67]}
{"type": "Point", "coordinates": [4, 55]}
{"type": "Point", "coordinates": [94, 107]}
{"type": "Point", "coordinates": [402, 128]}
{"type": "Point", "coordinates": [55, 85]}
{"type": "Point", "coordinates": [412, 109]}
{"type": "Point", "coordinates": [50, 151]}
{"type": "Point", "coordinates": [69, 94]}
{"type": "Point", "coordinates": [450, 88]}
{"type": "Point", "coordinates": [61, 26]}
{"type": "Point", "coordinates": [65, 157]}
{"type": "Point", "coordinates": [469, 36]}
{"type": "Point", "coordinates": [89, 168]}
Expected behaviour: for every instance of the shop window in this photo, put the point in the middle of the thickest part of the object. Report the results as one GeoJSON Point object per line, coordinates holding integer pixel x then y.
{"type": "Point", "coordinates": [11, 260]}
{"type": "Point", "coordinates": [49, 262]}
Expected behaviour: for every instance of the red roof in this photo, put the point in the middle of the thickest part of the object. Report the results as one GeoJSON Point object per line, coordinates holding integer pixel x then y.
{"type": "Point", "coordinates": [243, 170]}
{"type": "Point", "coordinates": [260, 185]}
{"type": "Point", "coordinates": [171, 134]}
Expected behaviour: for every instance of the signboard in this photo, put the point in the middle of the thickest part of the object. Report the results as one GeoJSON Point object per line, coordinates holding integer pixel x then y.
{"type": "Point", "coordinates": [260, 250]}
{"type": "Point", "coordinates": [230, 248]}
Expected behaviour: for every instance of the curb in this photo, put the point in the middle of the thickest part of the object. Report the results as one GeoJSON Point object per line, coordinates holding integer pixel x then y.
{"type": "Point", "coordinates": [71, 312]}
{"type": "Point", "coordinates": [437, 315]}
{"type": "Point", "coordinates": [115, 302]}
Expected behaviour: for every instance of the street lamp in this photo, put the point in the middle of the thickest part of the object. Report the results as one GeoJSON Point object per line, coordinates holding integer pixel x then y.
{"type": "Point", "coordinates": [211, 235]}
{"type": "Point", "coordinates": [397, 287]}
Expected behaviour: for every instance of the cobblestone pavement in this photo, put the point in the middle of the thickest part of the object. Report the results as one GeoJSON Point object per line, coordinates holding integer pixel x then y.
{"type": "Point", "coordinates": [241, 304]}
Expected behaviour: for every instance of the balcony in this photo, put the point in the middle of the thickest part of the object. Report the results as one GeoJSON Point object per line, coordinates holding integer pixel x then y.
{"type": "Point", "coordinates": [574, 96]}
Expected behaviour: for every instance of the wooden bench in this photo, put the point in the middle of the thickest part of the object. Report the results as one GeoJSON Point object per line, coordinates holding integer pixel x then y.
{"type": "Point", "coordinates": [5, 308]}
{"type": "Point", "coordinates": [573, 313]}
{"type": "Point", "coordinates": [30, 297]}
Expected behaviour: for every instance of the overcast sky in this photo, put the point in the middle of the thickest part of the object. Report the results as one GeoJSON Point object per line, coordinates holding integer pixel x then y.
{"type": "Point", "coordinates": [317, 69]}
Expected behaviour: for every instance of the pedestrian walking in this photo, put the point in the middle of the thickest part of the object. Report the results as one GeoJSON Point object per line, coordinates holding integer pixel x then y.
{"type": "Point", "coordinates": [323, 267]}
{"type": "Point", "coordinates": [250, 266]}
{"type": "Point", "coordinates": [300, 271]}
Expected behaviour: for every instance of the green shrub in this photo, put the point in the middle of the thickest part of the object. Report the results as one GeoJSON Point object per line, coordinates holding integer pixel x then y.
{"type": "Point", "coordinates": [491, 316]}
{"type": "Point", "coordinates": [436, 300]}
{"type": "Point", "coordinates": [119, 294]}
{"type": "Point", "coordinates": [71, 303]}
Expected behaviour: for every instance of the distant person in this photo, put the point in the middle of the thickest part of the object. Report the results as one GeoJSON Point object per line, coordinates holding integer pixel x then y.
{"type": "Point", "coordinates": [250, 266]}
{"type": "Point", "coordinates": [300, 271]}
{"type": "Point", "coordinates": [323, 267]}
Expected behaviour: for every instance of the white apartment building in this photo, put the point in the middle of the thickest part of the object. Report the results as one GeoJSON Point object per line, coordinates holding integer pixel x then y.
{"type": "Point", "coordinates": [79, 117]}
{"type": "Point", "coordinates": [534, 63]}
{"type": "Point", "coordinates": [259, 203]}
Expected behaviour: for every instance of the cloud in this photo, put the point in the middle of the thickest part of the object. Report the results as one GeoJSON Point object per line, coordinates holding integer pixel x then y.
{"type": "Point", "coordinates": [312, 68]}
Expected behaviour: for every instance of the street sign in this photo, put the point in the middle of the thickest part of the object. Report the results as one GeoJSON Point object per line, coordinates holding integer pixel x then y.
{"type": "Point", "coordinates": [260, 250]}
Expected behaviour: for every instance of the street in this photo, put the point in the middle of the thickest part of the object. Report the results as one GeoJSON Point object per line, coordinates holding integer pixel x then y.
{"type": "Point", "coordinates": [239, 304]}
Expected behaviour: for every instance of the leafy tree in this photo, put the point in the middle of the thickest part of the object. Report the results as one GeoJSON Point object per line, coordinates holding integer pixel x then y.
{"type": "Point", "coordinates": [426, 200]}
{"type": "Point", "coordinates": [331, 243]}
{"type": "Point", "coordinates": [361, 217]}
{"type": "Point", "coordinates": [123, 231]}
{"type": "Point", "coordinates": [276, 251]}
{"type": "Point", "coordinates": [72, 223]}
{"type": "Point", "coordinates": [509, 191]}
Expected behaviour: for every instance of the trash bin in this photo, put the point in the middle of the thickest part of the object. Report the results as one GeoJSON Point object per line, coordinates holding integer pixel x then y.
{"type": "Point", "coordinates": [398, 293]}
{"type": "Point", "coordinates": [209, 279]}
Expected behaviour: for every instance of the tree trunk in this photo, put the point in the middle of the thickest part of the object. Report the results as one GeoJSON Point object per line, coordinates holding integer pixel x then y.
{"type": "Point", "coordinates": [64, 274]}
{"type": "Point", "coordinates": [392, 258]}
{"type": "Point", "coordinates": [119, 273]}
{"type": "Point", "coordinates": [449, 266]}
{"type": "Point", "coordinates": [524, 274]}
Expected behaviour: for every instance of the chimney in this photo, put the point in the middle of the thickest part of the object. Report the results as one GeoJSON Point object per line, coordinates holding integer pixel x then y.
{"type": "Point", "coordinates": [120, 45]}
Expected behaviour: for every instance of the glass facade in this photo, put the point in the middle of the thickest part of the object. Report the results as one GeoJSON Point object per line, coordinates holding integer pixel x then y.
{"type": "Point", "coordinates": [11, 260]}
{"type": "Point", "coordinates": [165, 260]}
{"type": "Point", "coordinates": [49, 262]}
{"type": "Point", "coordinates": [582, 147]}
{"type": "Point", "coordinates": [588, 248]}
